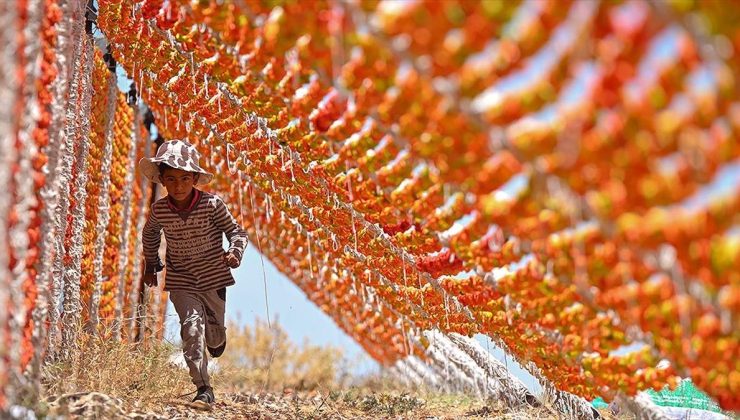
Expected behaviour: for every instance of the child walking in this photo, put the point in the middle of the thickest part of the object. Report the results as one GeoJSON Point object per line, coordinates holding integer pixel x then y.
{"type": "Point", "coordinates": [198, 269]}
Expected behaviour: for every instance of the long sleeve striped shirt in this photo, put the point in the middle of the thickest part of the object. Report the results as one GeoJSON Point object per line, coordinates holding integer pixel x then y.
{"type": "Point", "coordinates": [194, 243]}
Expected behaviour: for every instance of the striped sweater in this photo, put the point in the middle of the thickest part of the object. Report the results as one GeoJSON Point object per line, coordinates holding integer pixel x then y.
{"type": "Point", "coordinates": [194, 243]}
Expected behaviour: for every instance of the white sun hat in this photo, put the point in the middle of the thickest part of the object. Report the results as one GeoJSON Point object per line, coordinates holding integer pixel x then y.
{"type": "Point", "coordinates": [178, 154]}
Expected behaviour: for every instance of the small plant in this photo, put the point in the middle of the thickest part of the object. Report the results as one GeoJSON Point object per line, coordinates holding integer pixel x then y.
{"type": "Point", "coordinates": [390, 405]}
{"type": "Point", "coordinates": [260, 357]}
{"type": "Point", "coordinates": [138, 372]}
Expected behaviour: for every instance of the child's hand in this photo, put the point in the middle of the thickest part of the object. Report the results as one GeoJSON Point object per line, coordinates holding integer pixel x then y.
{"type": "Point", "coordinates": [231, 260]}
{"type": "Point", "coordinates": [150, 279]}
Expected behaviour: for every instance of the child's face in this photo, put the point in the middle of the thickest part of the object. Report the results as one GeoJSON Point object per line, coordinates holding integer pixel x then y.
{"type": "Point", "coordinates": [179, 183]}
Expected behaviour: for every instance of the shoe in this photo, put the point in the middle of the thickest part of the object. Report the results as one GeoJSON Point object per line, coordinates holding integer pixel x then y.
{"type": "Point", "coordinates": [217, 351]}
{"type": "Point", "coordinates": [204, 398]}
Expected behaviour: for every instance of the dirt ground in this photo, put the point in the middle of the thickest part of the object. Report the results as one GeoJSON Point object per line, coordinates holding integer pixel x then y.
{"type": "Point", "coordinates": [353, 404]}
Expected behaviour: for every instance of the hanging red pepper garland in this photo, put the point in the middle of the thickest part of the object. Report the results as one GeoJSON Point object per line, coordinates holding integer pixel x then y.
{"type": "Point", "coordinates": [97, 216]}
{"type": "Point", "coordinates": [120, 159]}
{"type": "Point", "coordinates": [526, 215]}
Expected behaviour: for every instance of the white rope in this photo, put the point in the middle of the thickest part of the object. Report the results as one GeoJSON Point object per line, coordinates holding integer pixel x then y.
{"type": "Point", "coordinates": [72, 274]}
{"type": "Point", "coordinates": [441, 371]}
{"type": "Point", "coordinates": [505, 385]}
{"type": "Point", "coordinates": [430, 377]}
{"type": "Point", "coordinates": [8, 100]}
{"type": "Point", "coordinates": [25, 197]}
{"type": "Point", "coordinates": [395, 372]}
{"type": "Point", "coordinates": [407, 373]}
{"type": "Point", "coordinates": [66, 148]}
{"type": "Point", "coordinates": [441, 355]}
{"type": "Point", "coordinates": [50, 190]}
